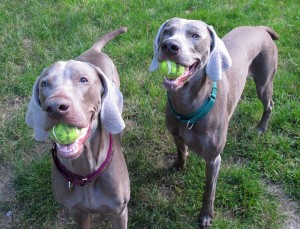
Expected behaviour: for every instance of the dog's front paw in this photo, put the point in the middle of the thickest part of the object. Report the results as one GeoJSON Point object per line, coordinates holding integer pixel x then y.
{"type": "Point", "coordinates": [177, 166]}
{"type": "Point", "coordinates": [205, 220]}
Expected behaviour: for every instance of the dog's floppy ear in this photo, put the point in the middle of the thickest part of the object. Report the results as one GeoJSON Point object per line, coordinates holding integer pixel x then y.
{"type": "Point", "coordinates": [154, 64]}
{"type": "Point", "coordinates": [112, 105]}
{"type": "Point", "coordinates": [35, 115]}
{"type": "Point", "coordinates": [219, 59]}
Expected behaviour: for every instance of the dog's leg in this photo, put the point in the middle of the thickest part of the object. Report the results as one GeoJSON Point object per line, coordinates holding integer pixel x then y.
{"type": "Point", "coordinates": [263, 123]}
{"type": "Point", "coordinates": [264, 88]}
{"type": "Point", "coordinates": [263, 71]}
{"type": "Point", "coordinates": [182, 154]}
{"type": "Point", "coordinates": [120, 221]}
{"type": "Point", "coordinates": [82, 219]}
{"type": "Point", "coordinates": [207, 210]}
{"type": "Point", "coordinates": [265, 93]}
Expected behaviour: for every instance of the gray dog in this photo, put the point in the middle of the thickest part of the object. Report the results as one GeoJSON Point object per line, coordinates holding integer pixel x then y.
{"type": "Point", "coordinates": [202, 100]}
{"type": "Point", "coordinates": [89, 175]}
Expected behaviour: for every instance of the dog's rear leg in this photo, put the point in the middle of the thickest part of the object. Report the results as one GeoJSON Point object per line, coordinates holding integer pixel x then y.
{"type": "Point", "coordinates": [207, 210]}
{"type": "Point", "coordinates": [82, 219]}
{"type": "Point", "coordinates": [182, 154]}
{"type": "Point", "coordinates": [120, 221]}
{"type": "Point", "coordinates": [263, 123]}
{"type": "Point", "coordinates": [263, 74]}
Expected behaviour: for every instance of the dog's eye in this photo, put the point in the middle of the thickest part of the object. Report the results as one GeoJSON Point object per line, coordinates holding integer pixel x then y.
{"type": "Point", "coordinates": [166, 32]}
{"type": "Point", "coordinates": [44, 84]}
{"type": "Point", "coordinates": [196, 36]}
{"type": "Point", "coordinates": [83, 80]}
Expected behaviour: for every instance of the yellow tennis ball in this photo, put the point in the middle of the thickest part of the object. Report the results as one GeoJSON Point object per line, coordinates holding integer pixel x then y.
{"type": "Point", "coordinates": [171, 69]}
{"type": "Point", "coordinates": [64, 134]}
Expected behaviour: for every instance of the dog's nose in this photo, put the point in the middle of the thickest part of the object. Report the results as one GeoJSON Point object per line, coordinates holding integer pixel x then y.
{"type": "Point", "coordinates": [57, 107]}
{"type": "Point", "coordinates": [170, 47]}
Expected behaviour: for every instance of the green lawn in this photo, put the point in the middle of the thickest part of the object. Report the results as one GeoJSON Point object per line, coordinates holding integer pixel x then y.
{"type": "Point", "coordinates": [34, 34]}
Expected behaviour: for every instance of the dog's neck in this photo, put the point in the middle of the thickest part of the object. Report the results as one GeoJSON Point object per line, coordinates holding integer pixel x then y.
{"type": "Point", "coordinates": [190, 96]}
{"type": "Point", "coordinates": [94, 153]}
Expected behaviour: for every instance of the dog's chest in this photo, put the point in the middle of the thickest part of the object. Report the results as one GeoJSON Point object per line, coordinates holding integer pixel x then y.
{"type": "Point", "coordinates": [194, 138]}
{"type": "Point", "coordinates": [94, 197]}
{"type": "Point", "coordinates": [89, 199]}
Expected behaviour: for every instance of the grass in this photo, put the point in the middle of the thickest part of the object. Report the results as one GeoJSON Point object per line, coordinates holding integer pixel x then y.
{"type": "Point", "coordinates": [35, 34]}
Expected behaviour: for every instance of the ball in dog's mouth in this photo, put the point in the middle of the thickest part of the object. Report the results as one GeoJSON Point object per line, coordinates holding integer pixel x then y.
{"type": "Point", "coordinates": [176, 83]}
{"type": "Point", "coordinates": [73, 150]}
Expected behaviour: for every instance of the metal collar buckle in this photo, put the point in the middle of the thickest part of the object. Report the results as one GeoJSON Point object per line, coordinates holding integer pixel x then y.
{"type": "Point", "coordinates": [189, 125]}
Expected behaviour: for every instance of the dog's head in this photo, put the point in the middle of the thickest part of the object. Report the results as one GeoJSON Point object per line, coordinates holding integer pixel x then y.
{"type": "Point", "coordinates": [192, 44]}
{"type": "Point", "coordinates": [75, 93]}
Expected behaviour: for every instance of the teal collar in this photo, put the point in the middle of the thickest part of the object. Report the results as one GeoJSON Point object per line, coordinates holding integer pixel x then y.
{"type": "Point", "coordinates": [193, 117]}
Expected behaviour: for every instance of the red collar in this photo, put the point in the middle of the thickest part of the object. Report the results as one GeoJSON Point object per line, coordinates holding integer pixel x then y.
{"type": "Point", "coordinates": [75, 179]}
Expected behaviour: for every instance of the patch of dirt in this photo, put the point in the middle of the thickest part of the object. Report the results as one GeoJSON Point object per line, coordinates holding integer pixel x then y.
{"type": "Point", "coordinates": [7, 199]}
{"type": "Point", "coordinates": [288, 207]}
{"type": "Point", "coordinates": [8, 209]}
{"type": "Point", "coordinates": [9, 106]}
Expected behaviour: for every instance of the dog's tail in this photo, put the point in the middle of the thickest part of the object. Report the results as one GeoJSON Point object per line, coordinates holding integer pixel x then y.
{"type": "Point", "coordinates": [271, 32]}
{"type": "Point", "coordinates": [107, 37]}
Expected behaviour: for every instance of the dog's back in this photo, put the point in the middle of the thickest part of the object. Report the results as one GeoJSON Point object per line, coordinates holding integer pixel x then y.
{"type": "Point", "coordinates": [245, 43]}
{"type": "Point", "coordinates": [253, 52]}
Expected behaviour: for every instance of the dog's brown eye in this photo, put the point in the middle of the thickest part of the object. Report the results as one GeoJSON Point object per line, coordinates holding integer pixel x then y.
{"type": "Point", "coordinates": [44, 84]}
{"type": "Point", "coordinates": [83, 80]}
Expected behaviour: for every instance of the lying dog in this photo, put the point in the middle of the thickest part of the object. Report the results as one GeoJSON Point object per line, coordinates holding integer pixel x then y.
{"type": "Point", "coordinates": [202, 100]}
{"type": "Point", "coordinates": [89, 175]}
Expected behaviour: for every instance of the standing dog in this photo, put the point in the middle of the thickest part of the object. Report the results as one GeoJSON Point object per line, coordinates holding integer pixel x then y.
{"type": "Point", "coordinates": [89, 175]}
{"type": "Point", "coordinates": [202, 100]}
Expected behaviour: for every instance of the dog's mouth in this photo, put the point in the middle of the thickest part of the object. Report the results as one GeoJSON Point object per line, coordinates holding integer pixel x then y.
{"type": "Point", "coordinates": [73, 150]}
{"type": "Point", "coordinates": [174, 84]}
